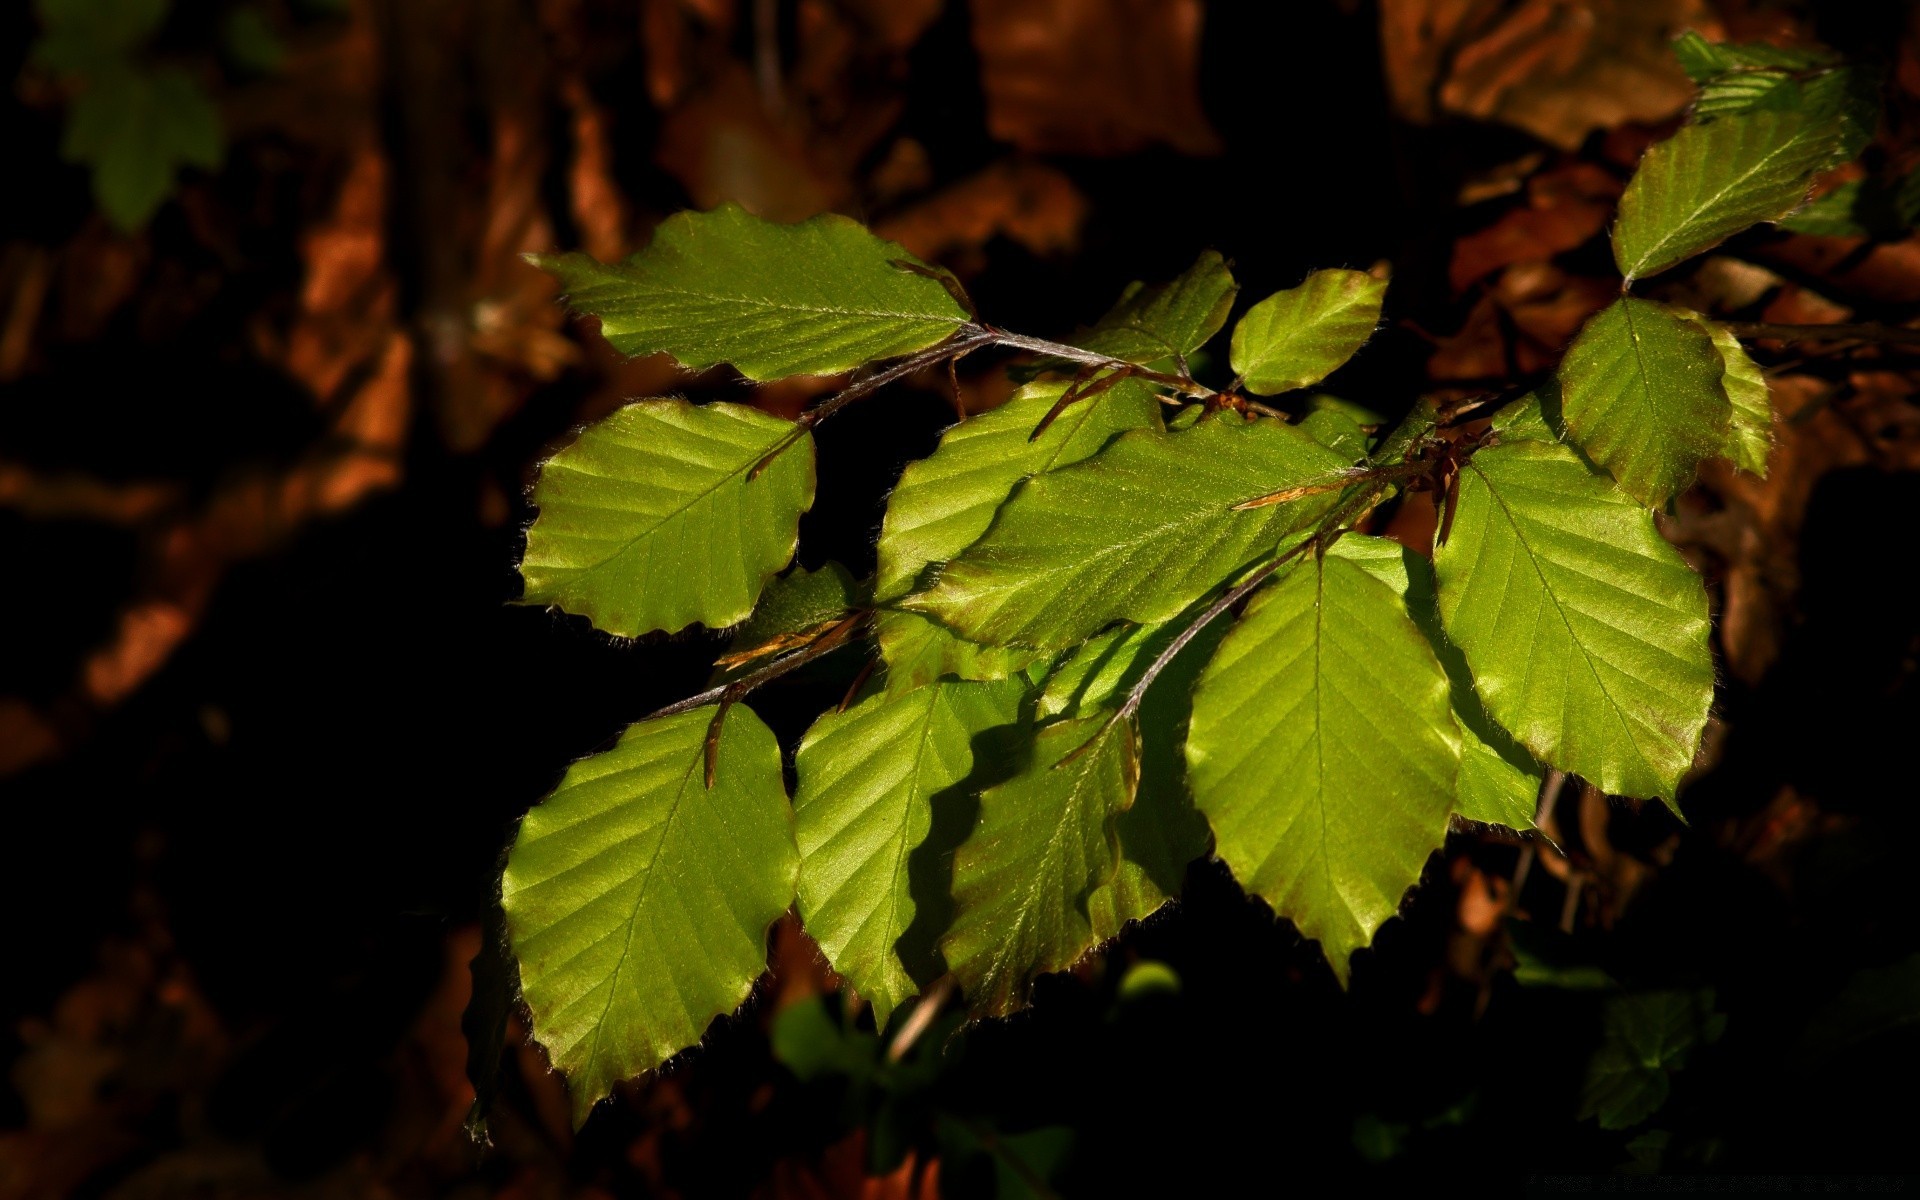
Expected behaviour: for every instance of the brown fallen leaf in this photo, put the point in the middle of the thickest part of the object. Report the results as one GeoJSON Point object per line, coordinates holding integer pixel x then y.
{"type": "Point", "coordinates": [1026, 202]}
{"type": "Point", "coordinates": [1093, 76]}
{"type": "Point", "coordinates": [1564, 207]}
{"type": "Point", "coordinates": [1558, 69]}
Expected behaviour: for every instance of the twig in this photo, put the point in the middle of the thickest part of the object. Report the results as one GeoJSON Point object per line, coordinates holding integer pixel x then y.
{"type": "Point", "coordinates": [920, 1019]}
{"type": "Point", "coordinates": [830, 640]}
{"type": "Point", "coordinates": [968, 339]}
{"type": "Point", "coordinates": [1896, 335]}
{"type": "Point", "coordinates": [732, 695]}
{"type": "Point", "coordinates": [1020, 341]}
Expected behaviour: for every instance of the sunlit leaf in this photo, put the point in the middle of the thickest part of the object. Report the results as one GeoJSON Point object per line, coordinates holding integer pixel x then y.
{"type": "Point", "coordinates": [653, 519]}
{"type": "Point", "coordinates": [1323, 750]}
{"type": "Point", "coordinates": [1586, 632]}
{"type": "Point", "coordinates": [816, 298]}
{"type": "Point", "coordinates": [867, 779]}
{"type": "Point", "coordinates": [1300, 336]}
{"type": "Point", "coordinates": [1640, 392]}
{"type": "Point", "coordinates": [1137, 532]}
{"type": "Point", "coordinates": [638, 899]}
{"type": "Point", "coordinates": [1709, 182]}
{"type": "Point", "coordinates": [1168, 320]}
{"type": "Point", "coordinates": [944, 502]}
{"type": "Point", "coordinates": [1750, 432]}
{"type": "Point", "coordinates": [1499, 782]}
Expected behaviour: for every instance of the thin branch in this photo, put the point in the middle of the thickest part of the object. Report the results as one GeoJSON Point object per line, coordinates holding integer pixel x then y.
{"type": "Point", "coordinates": [1020, 341]}
{"type": "Point", "coordinates": [1894, 335]}
{"type": "Point", "coordinates": [832, 639]}
{"type": "Point", "coordinates": [967, 340]}
{"type": "Point", "coordinates": [970, 338]}
{"type": "Point", "coordinates": [1228, 599]}
{"type": "Point", "coordinates": [920, 1019]}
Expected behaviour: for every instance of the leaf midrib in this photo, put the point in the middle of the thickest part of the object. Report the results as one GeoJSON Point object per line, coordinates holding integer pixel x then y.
{"type": "Point", "coordinates": [672, 514]}
{"type": "Point", "coordinates": [652, 289]}
{"type": "Point", "coordinates": [633, 915]}
{"type": "Point", "coordinates": [1675, 228]}
{"type": "Point", "coordinates": [1613, 706]}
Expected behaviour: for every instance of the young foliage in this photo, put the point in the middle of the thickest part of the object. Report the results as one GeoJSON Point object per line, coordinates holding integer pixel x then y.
{"type": "Point", "coordinates": [816, 298]}
{"type": "Point", "coordinates": [1323, 751]}
{"type": "Point", "coordinates": [946, 501]}
{"type": "Point", "coordinates": [868, 777]}
{"type": "Point", "coordinates": [1586, 632]}
{"type": "Point", "coordinates": [1169, 320]}
{"type": "Point", "coordinates": [1640, 391]}
{"type": "Point", "coordinates": [1055, 603]}
{"type": "Point", "coordinates": [654, 518]}
{"type": "Point", "coordinates": [1298, 337]}
{"type": "Point", "coordinates": [794, 607]}
{"type": "Point", "coordinates": [133, 123]}
{"type": "Point", "coordinates": [638, 898]}
{"type": "Point", "coordinates": [1750, 426]}
{"type": "Point", "coordinates": [1645, 1039]}
{"type": "Point", "coordinates": [1162, 831]}
{"type": "Point", "coordinates": [1043, 843]}
{"type": "Point", "coordinates": [1709, 182]}
{"type": "Point", "coordinates": [1106, 539]}
{"type": "Point", "coordinates": [1499, 782]}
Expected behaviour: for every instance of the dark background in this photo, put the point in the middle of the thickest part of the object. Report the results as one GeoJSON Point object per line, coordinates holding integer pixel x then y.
{"type": "Point", "coordinates": [268, 713]}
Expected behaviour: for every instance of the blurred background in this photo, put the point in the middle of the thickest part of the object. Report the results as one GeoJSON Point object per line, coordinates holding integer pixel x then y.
{"type": "Point", "coordinates": [273, 383]}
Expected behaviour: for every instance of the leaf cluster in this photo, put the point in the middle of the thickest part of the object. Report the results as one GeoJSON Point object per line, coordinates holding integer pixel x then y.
{"type": "Point", "coordinates": [1124, 619]}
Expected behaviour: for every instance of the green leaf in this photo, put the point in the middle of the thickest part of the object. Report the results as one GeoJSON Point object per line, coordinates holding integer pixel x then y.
{"type": "Point", "coordinates": [816, 298]}
{"type": "Point", "coordinates": [1162, 832]}
{"type": "Point", "coordinates": [1336, 431]}
{"type": "Point", "coordinates": [1323, 750]}
{"type": "Point", "coordinates": [1750, 432]}
{"type": "Point", "coordinates": [809, 1041]}
{"type": "Point", "coordinates": [1702, 60]}
{"type": "Point", "coordinates": [1300, 336]}
{"type": "Point", "coordinates": [944, 502]}
{"type": "Point", "coordinates": [1043, 842]}
{"type": "Point", "coordinates": [797, 602]}
{"type": "Point", "coordinates": [1586, 632]}
{"type": "Point", "coordinates": [136, 130]}
{"type": "Point", "coordinates": [1534, 417]}
{"type": "Point", "coordinates": [1646, 1038]}
{"type": "Point", "coordinates": [1640, 391]}
{"type": "Point", "coordinates": [650, 519]}
{"type": "Point", "coordinates": [1498, 783]}
{"type": "Point", "coordinates": [638, 899]}
{"type": "Point", "coordinates": [1168, 320]}
{"type": "Point", "coordinates": [867, 779]}
{"type": "Point", "coordinates": [1843, 102]}
{"type": "Point", "coordinates": [1137, 532]}
{"type": "Point", "coordinates": [1709, 182]}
